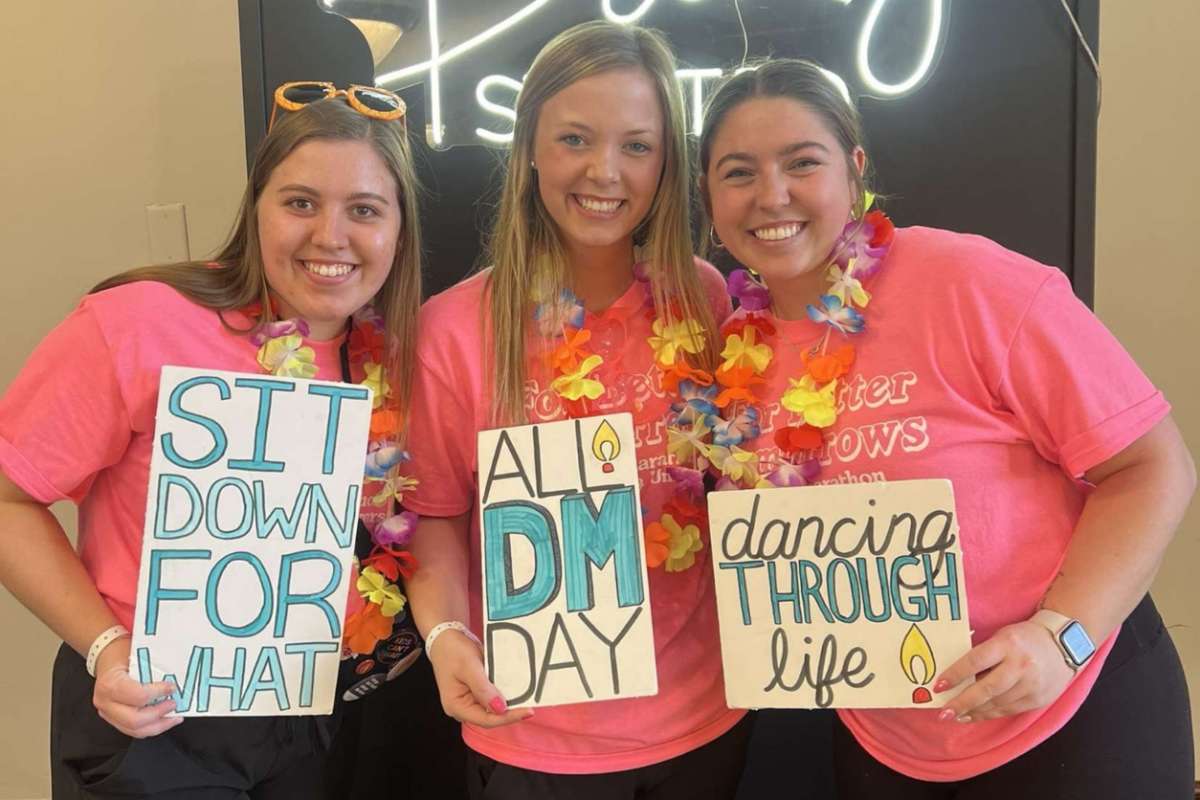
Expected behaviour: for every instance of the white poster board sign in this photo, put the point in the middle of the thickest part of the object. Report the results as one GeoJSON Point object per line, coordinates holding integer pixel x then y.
{"type": "Point", "coordinates": [565, 594]}
{"type": "Point", "coordinates": [846, 596]}
{"type": "Point", "coordinates": [251, 518]}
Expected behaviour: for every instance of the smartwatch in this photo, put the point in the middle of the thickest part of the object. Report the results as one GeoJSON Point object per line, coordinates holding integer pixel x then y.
{"type": "Point", "coordinates": [1072, 640]}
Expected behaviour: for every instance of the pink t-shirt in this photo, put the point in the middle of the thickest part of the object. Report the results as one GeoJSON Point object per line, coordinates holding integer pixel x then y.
{"type": "Point", "coordinates": [978, 365]}
{"type": "Point", "coordinates": [77, 423]}
{"type": "Point", "coordinates": [450, 407]}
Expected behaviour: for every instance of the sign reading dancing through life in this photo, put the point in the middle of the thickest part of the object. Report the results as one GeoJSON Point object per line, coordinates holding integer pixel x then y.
{"type": "Point", "coordinates": [847, 596]}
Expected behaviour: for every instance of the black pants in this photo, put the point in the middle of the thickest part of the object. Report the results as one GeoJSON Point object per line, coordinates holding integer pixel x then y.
{"type": "Point", "coordinates": [217, 757]}
{"type": "Point", "coordinates": [397, 744]}
{"type": "Point", "coordinates": [1131, 738]}
{"type": "Point", "coordinates": [709, 772]}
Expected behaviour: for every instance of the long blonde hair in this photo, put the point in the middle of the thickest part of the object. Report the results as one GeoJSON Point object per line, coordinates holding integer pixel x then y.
{"type": "Point", "coordinates": [525, 249]}
{"type": "Point", "coordinates": [238, 279]}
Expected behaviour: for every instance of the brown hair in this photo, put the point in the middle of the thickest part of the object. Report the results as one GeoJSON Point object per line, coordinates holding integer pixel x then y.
{"type": "Point", "coordinates": [795, 79]}
{"type": "Point", "coordinates": [237, 278]}
{"type": "Point", "coordinates": [527, 257]}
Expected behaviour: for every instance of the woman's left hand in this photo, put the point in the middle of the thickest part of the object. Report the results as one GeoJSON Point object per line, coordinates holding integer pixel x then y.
{"type": "Point", "coordinates": [1019, 669]}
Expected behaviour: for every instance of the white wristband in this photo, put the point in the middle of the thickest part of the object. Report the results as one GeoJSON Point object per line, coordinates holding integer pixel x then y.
{"type": "Point", "coordinates": [102, 641]}
{"type": "Point", "coordinates": [442, 627]}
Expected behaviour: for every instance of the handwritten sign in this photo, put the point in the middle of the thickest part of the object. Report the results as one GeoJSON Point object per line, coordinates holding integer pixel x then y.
{"type": "Point", "coordinates": [566, 607]}
{"type": "Point", "coordinates": [250, 523]}
{"type": "Point", "coordinates": [847, 596]}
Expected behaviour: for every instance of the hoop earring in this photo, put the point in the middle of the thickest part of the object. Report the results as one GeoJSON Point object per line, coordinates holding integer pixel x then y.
{"type": "Point", "coordinates": [714, 239]}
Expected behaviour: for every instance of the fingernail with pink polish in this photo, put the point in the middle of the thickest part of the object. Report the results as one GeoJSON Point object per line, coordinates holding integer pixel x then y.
{"type": "Point", "coordinates": [498, 706]}
{"type": "Point", "coordinates": [964, 718]}
{"type": "Point", "coordinates": [946, 714]}
{"type": "Point", "coordinates": [942, 685]}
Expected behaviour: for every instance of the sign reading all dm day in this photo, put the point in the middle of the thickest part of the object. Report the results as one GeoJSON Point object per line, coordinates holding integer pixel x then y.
{"type": "Point", "coordinates": [566, 604]}
{"type": "Point", "coordinates": [251, 518]}
{"type": "Point", "coordinates": [843, 596]}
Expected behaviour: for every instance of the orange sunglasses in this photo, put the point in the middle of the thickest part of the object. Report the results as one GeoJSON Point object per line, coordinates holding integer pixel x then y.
{"type": "Point", "coordinates": [370, 101]}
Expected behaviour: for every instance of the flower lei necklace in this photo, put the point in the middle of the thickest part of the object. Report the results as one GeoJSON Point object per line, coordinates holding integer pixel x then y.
{"type": "Point", "coordinates": [857, 255]}
{"type": "Point", "coordinates": [374, 608]}
{"type": "Point", "coordinates": [671, 541]}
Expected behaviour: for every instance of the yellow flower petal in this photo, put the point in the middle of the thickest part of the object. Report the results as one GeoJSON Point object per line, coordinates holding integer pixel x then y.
{"type": "Point", "coordinates": [574, 385]}
{"type": "Point", "coordinates": [669, 338]}
{"type": "Point", "coordinates": [374, 380]}
{"type": "Point", "coordinates": [741, 351]}
{"type": "Point", "coordinates": [817, 406]}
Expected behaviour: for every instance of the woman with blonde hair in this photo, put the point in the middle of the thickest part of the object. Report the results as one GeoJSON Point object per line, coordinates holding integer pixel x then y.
{"type": "Point", "coordinates": [320, 278]}
{"type": "Point", "coordinates": [593, 304]}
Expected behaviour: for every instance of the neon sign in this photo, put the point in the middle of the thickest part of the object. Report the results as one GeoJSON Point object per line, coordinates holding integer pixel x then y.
{"type": "Point", "coordinates": [863, 58]}
{"type": "Point", "coordinates": [632, 16]}
{"type": "Point", "coordinates": [495, 95]}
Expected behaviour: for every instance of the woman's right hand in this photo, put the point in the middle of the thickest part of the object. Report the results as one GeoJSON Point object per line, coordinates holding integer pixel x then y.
{"type": "Point", "coordinates": [466, 693]}
{"type": "Point", "coordinates": [124, 703]}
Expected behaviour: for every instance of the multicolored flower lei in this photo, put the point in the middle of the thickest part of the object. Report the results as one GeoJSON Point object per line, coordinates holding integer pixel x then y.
{"type": "Point", "coordinates": [671, 541]}
{"type": "Point", "coordinates": [858, 254]}
{"type": "Point", "coordinates": [378, 599]}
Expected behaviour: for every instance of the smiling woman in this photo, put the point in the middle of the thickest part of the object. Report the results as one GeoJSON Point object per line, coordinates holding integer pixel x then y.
{"type": "Point", "coordinates": [598, 156]}
{"type": "Point", "coordinates": [1069, 476]}
{"type": "Point", "coordinates": [320, 278]}
{"type": "Point", "coordinates": [328, 221]}
{"type": "Point", "coordinates": [593, 304]}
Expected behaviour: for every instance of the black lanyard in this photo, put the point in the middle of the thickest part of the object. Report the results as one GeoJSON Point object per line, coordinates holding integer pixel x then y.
{"type": "Point", "coordinates": [362, 539]}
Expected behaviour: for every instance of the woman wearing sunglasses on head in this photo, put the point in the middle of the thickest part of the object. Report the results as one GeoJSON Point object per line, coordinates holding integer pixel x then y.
{"type": "Point", "coordinates": [921, 353]}
{"type": "Point", "coordinates": [320, 278]}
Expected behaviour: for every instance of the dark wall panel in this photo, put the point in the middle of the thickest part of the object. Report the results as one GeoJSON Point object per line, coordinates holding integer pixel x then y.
{"type": "Point", "coordinates": [998, 140]}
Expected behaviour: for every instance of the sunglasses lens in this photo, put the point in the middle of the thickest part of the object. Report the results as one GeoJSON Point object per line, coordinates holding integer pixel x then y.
{"type": "Point", "coordinates": [377, 100]}
{"type": "Point", "coordinates": [305, 92]}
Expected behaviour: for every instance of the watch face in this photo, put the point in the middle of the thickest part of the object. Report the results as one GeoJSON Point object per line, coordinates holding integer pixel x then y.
{"type": "Point", "coordinates": [1076, 642]}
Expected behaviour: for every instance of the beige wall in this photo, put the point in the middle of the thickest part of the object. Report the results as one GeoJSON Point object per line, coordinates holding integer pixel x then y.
{"type": "Point", "coordinates": [135, 102]}
{"type": "Point", "coordinates": [1147, 266]}
{"type": "Point", "coordinates": [150, 112]}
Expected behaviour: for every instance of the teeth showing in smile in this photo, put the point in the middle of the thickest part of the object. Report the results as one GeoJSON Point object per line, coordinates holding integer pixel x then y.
{"type": "Point", "coordinates": [778, 232]}
{"type": "Point", "coordinates": [603, 206]}
{"type": "Point", "coordinates": [328, 270]}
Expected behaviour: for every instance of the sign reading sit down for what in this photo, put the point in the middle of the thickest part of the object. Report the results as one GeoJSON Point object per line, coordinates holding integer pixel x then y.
{"type": "Point", "coordinates": [251, 518]}
{"type": "Point", "coordinates": [565, 600]}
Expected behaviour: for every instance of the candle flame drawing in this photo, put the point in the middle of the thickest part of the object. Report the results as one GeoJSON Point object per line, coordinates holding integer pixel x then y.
{"type": "Point", "coordinates": [605, 445]}
{"type": "Point", "coordinates": [918, 663]}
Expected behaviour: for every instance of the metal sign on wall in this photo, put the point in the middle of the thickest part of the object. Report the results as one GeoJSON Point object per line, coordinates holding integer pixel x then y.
{"type": "Point", "coordinates": [979, 117]}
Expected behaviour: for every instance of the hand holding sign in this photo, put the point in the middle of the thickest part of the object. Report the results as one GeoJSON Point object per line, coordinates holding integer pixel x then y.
{"type": "Point", "coordinates": [463, 686]}
{"type": "Point", "coordinates": [126, 704]}
{"type": "Point", "coordinates": [1024, 670]}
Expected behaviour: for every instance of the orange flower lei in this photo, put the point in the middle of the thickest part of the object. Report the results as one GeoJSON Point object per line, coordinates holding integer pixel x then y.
{"type": "Point", "coordinates": [672, 541]}
{"type": "Point", "coordinates": [376, 604]}
{"type": "Point", "coordinates": [858, 254]}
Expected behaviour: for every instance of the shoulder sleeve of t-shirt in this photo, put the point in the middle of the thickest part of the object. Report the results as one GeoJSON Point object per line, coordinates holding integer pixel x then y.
{"type": "Point", "coordinates": [442, 426]}
{"type": "Point", "coordinates": [1079, 394]}
{"type": "Point", "coordinates": [714, 288]}
{"type": "Point", "coordinates": [64, 418]}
